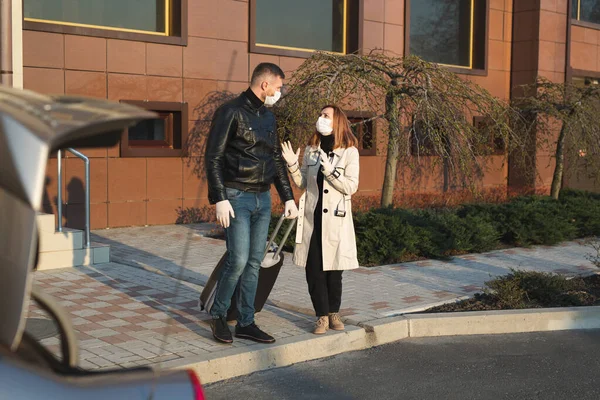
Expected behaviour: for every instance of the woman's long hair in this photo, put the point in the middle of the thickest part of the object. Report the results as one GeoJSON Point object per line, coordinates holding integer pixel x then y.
{"type": "Point", "coordinates": [342, 133]}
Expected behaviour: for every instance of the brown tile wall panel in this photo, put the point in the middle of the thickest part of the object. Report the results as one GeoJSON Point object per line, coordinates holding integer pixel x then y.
{"type": "Point", "coordinates": [162, 212]}
{"type": "Point", "coordinates": [226, 60]}
{"type": "Point", "coordinates": [164, 60]}
{"type": "Point", "coordinates": [194, 183]}
{"type": "Point", "coordinates": [195, 203]}
{"type": "Point", "coordinates": [585, 48]}
{"type": "Point", "coordinates": [371, 173]}
{"type": "Point", "coordinates": [164, 89]}
{"type": "Point", "coordinates": [233, 88]}
{"type": "Point", "coordinates": [43, 49]}
{"type": "Point", "coordinates": [85, 53]}
{"type": "Point", "coordinates": [165, 178]}
{"type": "Point", "coordinates": [75, 216]}
{"type": "Point", "coordinates": [590, 36]}
{"type": "Point", "coordinates": [394, 40]}
{"type": "Point", "coordinates": [494, 82]}
{"type": "Point", "coordinates": [526, 5]}
{"type": "Point", "coordinates": [51, 186]}
{"type": "Point", "coordinates": [526, 26]}
{"type": "Point", "coordinates": [74, 180]}
{"type": "Point", "coordinates": [584, 56]}
{"type": "Point", "coordinates": [549, 5]}
{"type": "Point", "coordinates": [198, 134]}
{"type": "Point", "coordinates": [85, 83]}
{"type": "Point", "coordinates": [197, 93]}
{"type": "Point", "coordinates": [114, 151]}
{"type": "Point", "coordinates": [99, 216]}
{"type": "Point", "coordinates": [394, 12]}
{"type": "Point", "coordinates": [289, 65]}
{"type": "Point", "coordinates": [496, 56]}
{"type": "Point", "coordinates": [374, 10]}
{"type": "Point", "coordinates": [98, 152]}
{"type": "Point", "coordinates": [126, 214]}
{"type": "Point", "coordinates": [547, 60]}
{"type": "Point", "coordinates": [578, 34]}
{"type": "Point", "coordinates": [127, 87]}
{"type": "Point", "coordinates": [524, 56]}
{"type": "Point", "coordinates": [126, 56]}
{"type": "Point", "coordinates": [223, 19]}
{"type": "Point", "coordinates": [44, 80]}
{"type": "Point", "coordinates": [372, 36]}
{"type": "Point", "coordinates": [496, 28]}
{"type": "Point", "coordinates": [126, 179]}
{"type": "Point", "coordinates": [497, 4]}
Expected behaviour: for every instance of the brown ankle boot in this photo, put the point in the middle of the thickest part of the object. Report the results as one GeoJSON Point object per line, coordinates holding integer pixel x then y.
{"type": "Point", "coordinates": [321, 326]}
{"type": "Point", "coordinates": [335, 322]}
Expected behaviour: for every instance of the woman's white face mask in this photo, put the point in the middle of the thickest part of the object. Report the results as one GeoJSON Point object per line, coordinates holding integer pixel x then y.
{"type": "Point", "coordinates": [324, 126]}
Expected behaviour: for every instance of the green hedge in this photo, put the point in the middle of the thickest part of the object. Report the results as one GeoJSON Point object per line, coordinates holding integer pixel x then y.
{"type": "Point", "coordinates": [397, 235]}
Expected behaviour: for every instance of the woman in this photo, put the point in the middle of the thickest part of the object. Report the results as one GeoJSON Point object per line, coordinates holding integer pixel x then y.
{"type": "Point", "coordinates": [325, 240]}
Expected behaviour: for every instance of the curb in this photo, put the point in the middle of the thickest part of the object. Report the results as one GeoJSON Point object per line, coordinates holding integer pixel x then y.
{"type": "Point", "coordinates": [285, 352]}
{"type": "Point", "coordinates": [504, 321]}
{"type": "Point", "coordinates": [239, 361]}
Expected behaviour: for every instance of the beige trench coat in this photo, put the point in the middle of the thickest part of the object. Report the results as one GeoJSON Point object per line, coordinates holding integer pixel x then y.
{"type": "Point", "coordinates": [338, 238]}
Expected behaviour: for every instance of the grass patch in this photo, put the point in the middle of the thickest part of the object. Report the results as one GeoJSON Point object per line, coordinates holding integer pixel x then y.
{"type": "Point", "coordinates": [526, 289]}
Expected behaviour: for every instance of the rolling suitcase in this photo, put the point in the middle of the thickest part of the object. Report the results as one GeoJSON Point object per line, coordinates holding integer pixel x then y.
{"type": "Point", "coordinates": [270, 267]}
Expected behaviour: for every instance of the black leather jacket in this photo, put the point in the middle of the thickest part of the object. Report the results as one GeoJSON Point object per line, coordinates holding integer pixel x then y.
{"type": "Point", "coordinates": [243, 151]}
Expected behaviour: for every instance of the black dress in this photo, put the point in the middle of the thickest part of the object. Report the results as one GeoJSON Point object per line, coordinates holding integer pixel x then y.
{"type": "Point", "coordinates": [325, 287]}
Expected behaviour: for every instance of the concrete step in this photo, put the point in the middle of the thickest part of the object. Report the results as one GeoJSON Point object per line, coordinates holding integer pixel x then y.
{"type": "Point", "coordinates": [96, 254]}
{"type": "Point", "coordinates": [68, 239]}
{"type": "Point", "coordinates": [46, 222]}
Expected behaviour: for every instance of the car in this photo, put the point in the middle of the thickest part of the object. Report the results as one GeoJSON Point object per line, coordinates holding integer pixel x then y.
{"type": "Point", "coordinates": [32, 127]}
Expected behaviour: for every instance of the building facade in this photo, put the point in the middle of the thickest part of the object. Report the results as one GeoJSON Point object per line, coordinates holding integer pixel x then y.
{"type": "Point", "coordinates": [172, 55]}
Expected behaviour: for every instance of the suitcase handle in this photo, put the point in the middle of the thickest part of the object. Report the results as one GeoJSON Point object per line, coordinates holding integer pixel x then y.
{"type": "Point", "coordinates": [274, 234]}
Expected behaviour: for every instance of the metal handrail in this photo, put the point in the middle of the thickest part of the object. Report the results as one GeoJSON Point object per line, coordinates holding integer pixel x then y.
{"type": "Point", "coordinates": [86, 161]}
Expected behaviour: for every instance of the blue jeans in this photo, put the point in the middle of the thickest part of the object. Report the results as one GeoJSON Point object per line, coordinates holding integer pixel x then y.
{"type": "Point", "coordinates": [246, 242]}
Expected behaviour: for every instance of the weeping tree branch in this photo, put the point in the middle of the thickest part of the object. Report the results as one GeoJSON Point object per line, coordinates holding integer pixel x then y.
{"type": "Point", "coordinates": [423, 106]}
{"type": "Point", "coordinates": [576, 111]}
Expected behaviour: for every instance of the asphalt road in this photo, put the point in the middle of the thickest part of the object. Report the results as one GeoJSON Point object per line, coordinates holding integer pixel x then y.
{"type": "Point", "coordinates": [548, 366]}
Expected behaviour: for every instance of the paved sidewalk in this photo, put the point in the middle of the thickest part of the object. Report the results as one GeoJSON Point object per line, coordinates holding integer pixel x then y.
{"type": "Point", "coordinates": [141, 309]}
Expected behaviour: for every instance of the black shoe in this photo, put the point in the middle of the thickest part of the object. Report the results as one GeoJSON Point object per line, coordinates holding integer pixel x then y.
{"type": "Point", "coordinates": [221, 331]}
{"type": "Point", "coordinates": [253, 332]}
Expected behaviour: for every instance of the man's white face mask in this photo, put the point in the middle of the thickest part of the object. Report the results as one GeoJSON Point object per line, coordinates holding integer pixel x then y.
{"type": "Point", "coordinates": [271, 100]}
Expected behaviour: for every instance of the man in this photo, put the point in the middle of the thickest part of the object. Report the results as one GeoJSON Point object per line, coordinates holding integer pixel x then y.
{"type": "Point", "coordinates": [243, 158]}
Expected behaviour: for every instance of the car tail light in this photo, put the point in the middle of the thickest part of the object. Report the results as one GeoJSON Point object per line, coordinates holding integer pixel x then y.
{"type": "Point", "coordinates": [198, 392]}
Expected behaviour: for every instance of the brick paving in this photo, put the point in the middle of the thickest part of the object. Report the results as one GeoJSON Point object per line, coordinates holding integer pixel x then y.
{"type": "Point", "coordinates": [141, 309]}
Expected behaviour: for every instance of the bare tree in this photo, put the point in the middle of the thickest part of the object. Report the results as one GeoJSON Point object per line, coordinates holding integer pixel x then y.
{"type": "Point", "coordinates": [575, 109]}
{"type": "Point", "coordinates": [428, 111]}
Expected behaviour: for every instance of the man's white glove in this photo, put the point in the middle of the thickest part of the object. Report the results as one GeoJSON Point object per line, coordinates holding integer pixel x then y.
{"type": "Point", "coordinates": [224, 210]}
{"type": "Point", "coordinates": [325, 164]}
{"type": "Point", "coordinates": [291, 211]}
{"type": "Point", "coordinates": [288, 154]}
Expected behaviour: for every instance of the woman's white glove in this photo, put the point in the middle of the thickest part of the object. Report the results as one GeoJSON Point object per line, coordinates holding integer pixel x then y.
{"type": "Point", "coordinates": [291, 211]}
{"type": "Point", "coordinates": [325, 163]}
{"type": "Point", "coordinates": [288, 154]}
{"type": "Point", "coordinates": [224, 210]}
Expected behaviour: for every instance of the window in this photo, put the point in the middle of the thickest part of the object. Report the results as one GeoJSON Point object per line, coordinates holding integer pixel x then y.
{"type": "Point", "coordinates": [490, 141]}
{"type": "Point", "coordinates": [586, 11]}
{"type": "Point", "coordinates": [164, 136]}
{"type": "Point", "coordinates": [150, 20]}
{"type": "Point", "coordinates": [298, 28]}
{"type": "Point", "coordinates": [449, 32]}
{"type": "Point", "coordinates": [363, 128]}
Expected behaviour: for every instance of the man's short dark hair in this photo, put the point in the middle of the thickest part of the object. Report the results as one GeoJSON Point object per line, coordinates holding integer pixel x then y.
{"type": "Point", "coordinates": [263, 69]}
